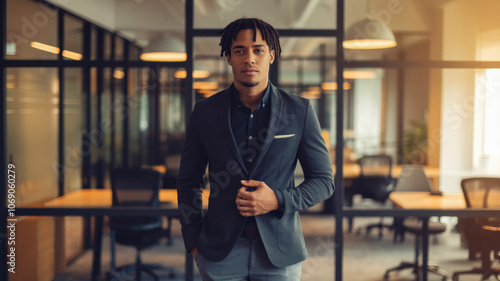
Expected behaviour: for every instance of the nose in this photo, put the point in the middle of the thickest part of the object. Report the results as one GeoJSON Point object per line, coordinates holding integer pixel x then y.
{"type": "Point", "coordinates": [249, 58]}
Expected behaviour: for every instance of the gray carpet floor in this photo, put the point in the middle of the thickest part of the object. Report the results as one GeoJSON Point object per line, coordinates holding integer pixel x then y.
{"type": "Point", "coordinates": [366, 257]}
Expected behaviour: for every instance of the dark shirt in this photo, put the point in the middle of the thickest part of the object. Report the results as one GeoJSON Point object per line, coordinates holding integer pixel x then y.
{"type": "Point", "coordinates": [249, 128]}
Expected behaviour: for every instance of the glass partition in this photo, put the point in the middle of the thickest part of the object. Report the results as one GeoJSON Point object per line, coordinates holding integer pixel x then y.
{"type": "Point", "coordinates": [73, 38]}
{"type": "Point", "coordinates": [32, 114]}
{"type": "Point", "coordinates": [74, 129]}
{"type": "Point", "coordinates": [132, 111]}
{"type": "Point", "coordinates": [106, 126]}
{"type": "Point", "coordinates": [31, 31]}
{"type": "Point", "coordinates": [107, 45]}
{"type": "Point", "coordinates": [119, 55]}
{"type": "Point", "coordinates": [119, 113]}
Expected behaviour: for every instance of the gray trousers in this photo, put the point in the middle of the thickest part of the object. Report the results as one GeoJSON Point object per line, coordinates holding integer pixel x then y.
{"type": "Point", "coordinates": [247, 261]}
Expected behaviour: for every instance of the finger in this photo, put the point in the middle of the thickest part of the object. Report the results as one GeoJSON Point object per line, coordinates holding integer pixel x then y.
{"type": "Point", "coordinates": [245, 206]}
{"type": "Point", "coordinates": [246, 214]}
{"type": "Point", "coordinates": [253, 183]}
{"type": "Point", "coordinates": [244, 195]}
{"type": "Point", "coordinates": [242, 202]}
{"type": "Point", "coordinates": [245, 211]}
{"type": "Point", "coordinates": [242, 192]}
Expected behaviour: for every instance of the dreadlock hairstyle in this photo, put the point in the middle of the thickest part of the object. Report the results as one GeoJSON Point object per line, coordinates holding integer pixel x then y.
{"type": "Point", "coordinates": [269, 34]}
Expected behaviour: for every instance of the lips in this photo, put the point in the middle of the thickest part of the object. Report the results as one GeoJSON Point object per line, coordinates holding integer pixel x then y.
{"type": "Point", "coordinates": [249, 71]}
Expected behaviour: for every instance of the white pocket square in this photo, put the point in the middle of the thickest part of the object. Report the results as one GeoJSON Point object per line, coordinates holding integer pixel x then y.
{"type": "Point", "coordinates": [283, 136]}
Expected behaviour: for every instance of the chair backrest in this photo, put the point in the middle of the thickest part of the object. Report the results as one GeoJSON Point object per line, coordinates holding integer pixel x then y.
{"type": "Point", "coordinates": [375, 165]}
{"type": "Point", "coordinates": [135, 187]}
{"type": "Point", "coordinates": [413, 178]}
{"type": "Point", "coordinates": [375, 180]}
{"type": "Point", "coordinates": [138, 188]}
{"type": "Point", "coordinates": [481, 192]}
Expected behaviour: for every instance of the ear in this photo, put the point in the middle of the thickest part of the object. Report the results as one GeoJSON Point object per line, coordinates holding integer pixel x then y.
{"type": "Point", "coordinates": [271, 53]}
{"type": "Point", "coordinates": [228, 58]}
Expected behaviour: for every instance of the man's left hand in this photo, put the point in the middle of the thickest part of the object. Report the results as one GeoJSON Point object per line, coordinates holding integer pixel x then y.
{"type": "Point", "coordinates": [258, 202]}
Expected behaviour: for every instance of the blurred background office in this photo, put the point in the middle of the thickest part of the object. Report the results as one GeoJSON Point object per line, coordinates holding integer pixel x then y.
{"type": "Point", "coordinates": [82, 97]}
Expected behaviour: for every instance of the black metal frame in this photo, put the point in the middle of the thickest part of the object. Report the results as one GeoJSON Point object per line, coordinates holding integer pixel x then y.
{"type": "Point", "coordinates": [60, 73]}
{"type": "Point", "coordinates": [339, 148]}
{"type": "Point", "coordinates": [112, 89]}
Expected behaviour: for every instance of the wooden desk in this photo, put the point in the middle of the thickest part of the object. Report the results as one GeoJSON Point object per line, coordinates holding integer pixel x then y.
{"type": "Point", "coordinates": [352, 171]}
{"type": "Point", "coordinates": [424, 200]}
{"type": "Point", "coordinates": [92, 198]}
{"type": "Point", "coordinates": [98, 203]}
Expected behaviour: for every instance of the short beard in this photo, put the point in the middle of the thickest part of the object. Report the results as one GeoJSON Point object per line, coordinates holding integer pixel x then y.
{"type": "Point", "coordinates": [249, 84]}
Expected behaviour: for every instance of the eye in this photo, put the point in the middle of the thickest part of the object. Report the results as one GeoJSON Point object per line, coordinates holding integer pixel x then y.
{"type": "Point", "coordinates": [238, 51]}
{"type": "Point", "coordinates": [259, 51]}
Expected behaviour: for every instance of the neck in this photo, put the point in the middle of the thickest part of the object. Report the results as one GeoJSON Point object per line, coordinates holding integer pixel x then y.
{"type": "Point", "coordinates": [251, 96]}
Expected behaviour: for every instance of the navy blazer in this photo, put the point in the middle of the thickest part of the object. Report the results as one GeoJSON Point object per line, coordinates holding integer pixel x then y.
{"type": "Point", "coordinates": [294, 133]}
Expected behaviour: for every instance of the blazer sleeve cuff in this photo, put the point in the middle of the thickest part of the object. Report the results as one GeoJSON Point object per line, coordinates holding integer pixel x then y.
{"type": "Point", "coordinates": [281, 203]}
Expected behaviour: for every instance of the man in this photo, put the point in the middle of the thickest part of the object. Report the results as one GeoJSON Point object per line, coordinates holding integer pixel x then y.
{"type": "Point", "coordinates": [251, 136]}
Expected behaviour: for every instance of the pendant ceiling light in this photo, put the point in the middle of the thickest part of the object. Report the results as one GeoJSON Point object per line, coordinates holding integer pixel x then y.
{"type": "Point", "coordinates": [165, 49]}
{"type": "Point", "coordinates": [369, 33]}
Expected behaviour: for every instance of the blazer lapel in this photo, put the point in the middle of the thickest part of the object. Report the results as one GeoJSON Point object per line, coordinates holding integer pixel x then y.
{"type": "Point", "coordinates": [276, 110]}
{"type": "Point", "coordinates": [224, 115]}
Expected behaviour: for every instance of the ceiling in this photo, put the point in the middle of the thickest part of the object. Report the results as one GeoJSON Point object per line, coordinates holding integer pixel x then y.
{"type": "Point", "coordinates": [144, 20]}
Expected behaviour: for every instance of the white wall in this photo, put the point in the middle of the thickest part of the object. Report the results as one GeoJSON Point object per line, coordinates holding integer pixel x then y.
{"type": "Point", "coordinates": [457, 108]}
{"type": "Point", "coordinates": [367, 116]}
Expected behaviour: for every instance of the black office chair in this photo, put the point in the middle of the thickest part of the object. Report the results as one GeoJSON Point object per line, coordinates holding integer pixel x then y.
{"type": "Point", "coordinates": [414, 225]}
{"type": "Point", "coordinates": [413, 178]}
{"type": "Point", "coordinates": [375, 182]}
{"type": "Point", "coordinates": [482, 193]}
{"type": "Point", "coordinates": [137, 188]}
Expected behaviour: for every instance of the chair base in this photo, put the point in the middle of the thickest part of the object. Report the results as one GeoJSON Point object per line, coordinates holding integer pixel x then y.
{"type": "Point", "coordinates": [486, 273]}
{"type": "Point", "coordinates": [417, 269]}
{"type": "Point", "coordinates": [379, 225]}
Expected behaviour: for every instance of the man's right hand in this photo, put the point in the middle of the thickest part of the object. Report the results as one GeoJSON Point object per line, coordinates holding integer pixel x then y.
{"type": "Point", "coordinates": [194, 251]}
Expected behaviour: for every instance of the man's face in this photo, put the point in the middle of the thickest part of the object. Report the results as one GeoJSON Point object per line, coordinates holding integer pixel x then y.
{"type": "Point", "coordinates": [250, 60]}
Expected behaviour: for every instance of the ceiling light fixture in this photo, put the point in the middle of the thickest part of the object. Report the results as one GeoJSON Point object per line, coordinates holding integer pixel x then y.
{"type": "Point", "coordinates": [199, 72]}
{"type": "Point", "coordinates": [119, 74]}
{"type": "Point", "coordinates": [332, 86]}
{"type": "Point", "coordinates": [359, 74]}
{"type": "Point", "coordinates": [369, 33]}
{"type": "Point", "coordinates": [55, 50]}
{"type": "Point", "coordinates": [167, 49]}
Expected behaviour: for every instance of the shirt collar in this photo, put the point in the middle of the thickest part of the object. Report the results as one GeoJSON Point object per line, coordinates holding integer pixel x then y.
{"type": "Point", "coordinates": [237, 102]}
